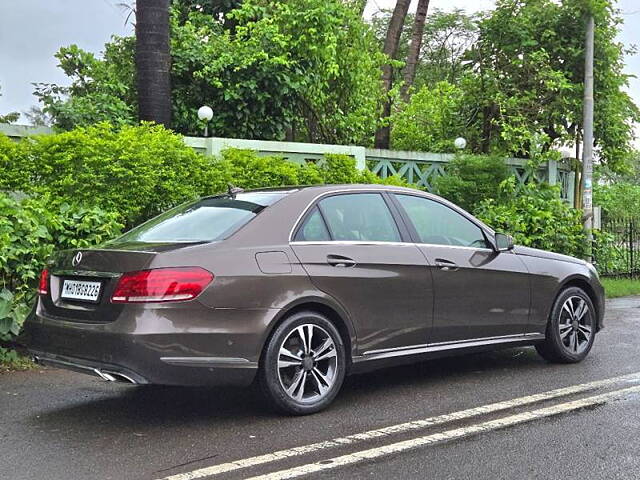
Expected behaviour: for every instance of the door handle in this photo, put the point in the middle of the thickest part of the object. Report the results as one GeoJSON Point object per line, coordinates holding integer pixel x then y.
{"type": "Point", "coordinates": [446, 265]}
{"type": "Point", "coordinates": [340, 261]}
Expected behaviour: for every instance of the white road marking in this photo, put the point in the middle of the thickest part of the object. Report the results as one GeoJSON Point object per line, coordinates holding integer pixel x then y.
{"type": "Point", "coordinates": [393, 448]}
{"type": "Point", "coordinates": [396, 429]}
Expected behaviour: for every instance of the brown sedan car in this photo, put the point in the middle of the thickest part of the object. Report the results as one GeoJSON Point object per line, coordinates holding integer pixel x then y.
{"type": "Point", "coordinates": [297, 287]}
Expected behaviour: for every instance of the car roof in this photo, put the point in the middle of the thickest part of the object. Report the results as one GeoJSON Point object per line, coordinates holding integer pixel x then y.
{"type": "Point", "coordinates": [333, 187]}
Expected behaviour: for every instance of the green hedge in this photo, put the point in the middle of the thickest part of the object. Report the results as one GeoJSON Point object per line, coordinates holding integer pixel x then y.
{"type": "Point", "coordinates": [140, 171]}
{"type": "Point", "coordinates": [536, 217]}
{"type": "Point", "coordinates": [31, 229]}
{"type": "Point", "coordinates": [470, 179]}
{"type": "Point", "coordinates": [135, 171]}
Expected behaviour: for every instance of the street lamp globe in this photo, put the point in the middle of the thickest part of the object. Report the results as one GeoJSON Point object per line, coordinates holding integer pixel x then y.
{"type": "Point", "coordinates": [460, 143]}
{"type": "Point", "coordinates": [205, 113]}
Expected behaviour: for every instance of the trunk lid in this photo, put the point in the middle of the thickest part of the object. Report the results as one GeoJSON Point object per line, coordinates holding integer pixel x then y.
{"type": "Point", "coordinates": [99, 269]}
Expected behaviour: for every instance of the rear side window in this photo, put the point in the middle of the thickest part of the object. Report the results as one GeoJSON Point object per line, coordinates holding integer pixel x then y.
{"type": "Point", "coordinates": [205, 220]}
{"type": "Point", "coordinates": [352, 217]}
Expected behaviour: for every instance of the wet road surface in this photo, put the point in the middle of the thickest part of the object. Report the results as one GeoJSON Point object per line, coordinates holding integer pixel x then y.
{"type": "Point", "coordinates": [477, 416]}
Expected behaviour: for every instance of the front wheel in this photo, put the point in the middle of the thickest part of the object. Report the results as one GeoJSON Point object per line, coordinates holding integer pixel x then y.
{"type": "Point", "coordinates": [571, 329]}
{"type": "Point", "coordinates": [303, 365]}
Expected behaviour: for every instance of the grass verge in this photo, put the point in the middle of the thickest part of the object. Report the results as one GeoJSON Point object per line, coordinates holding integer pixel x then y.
{"type": "Point", "coordinates": [621, 287]}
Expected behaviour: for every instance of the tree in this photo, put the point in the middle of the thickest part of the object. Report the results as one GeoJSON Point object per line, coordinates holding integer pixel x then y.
{"type": "Point", "coordinates": [310, 67]}
{"type": "Point", "coordinates": [9, 117]}
{"type": "Point", "coordinates": [391, 43]}
{"type": "Point", "coordinates": [153, 61]}
{"type": "Point", "coordinates": [37, 117]}
{"type": "Point", "coordinates": [431, 121]}
{"type": "Point", "coordinates": [414, 47]}
{"type": "Point", "coordinates": [527, 74]}
{"type": "Point", "coordinates": [100, 89]}
{"type": "Point", "coordinates": [446, 38]}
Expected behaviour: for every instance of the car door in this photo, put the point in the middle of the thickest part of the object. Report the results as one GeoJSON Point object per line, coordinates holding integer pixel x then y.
{"type": "Point", "coordinates": [354, 249]}
{"type": "Point", "coordinates": [479, 292]}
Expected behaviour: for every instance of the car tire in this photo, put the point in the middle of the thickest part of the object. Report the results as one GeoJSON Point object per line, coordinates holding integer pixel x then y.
{"type": "Point", "coordinates": [569, 339]}
{"type": "Point", "coordinates": [307, 377]}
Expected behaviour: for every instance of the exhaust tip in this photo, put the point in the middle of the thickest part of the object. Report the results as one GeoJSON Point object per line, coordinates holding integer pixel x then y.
{"type": "Point", "coordinates": [114, 376]}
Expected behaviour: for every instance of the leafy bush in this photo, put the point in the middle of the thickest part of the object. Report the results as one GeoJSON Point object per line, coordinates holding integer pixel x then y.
{"type": "Point", "coordinates": [618, 200]}
{"type": "Point", "coordinates": [135, 171]}
{"type": "Point", "coordinates": [245, 169]}
{"type": "Point", "coordinates": [470, 179]}
{"type": "Point", "coordinates": [610, 256]}
{"type": "Point", "coordinates": [536, 217]}
{"type": "Point", "coordinates": [141, 171]}
{"type": "Point", "coordinates": [431, 120]}
{"type": "Point", "coordinates": [31, 229]}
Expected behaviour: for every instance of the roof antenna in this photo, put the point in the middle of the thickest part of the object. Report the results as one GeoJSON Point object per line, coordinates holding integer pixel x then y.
{"type": "Point", "coordinates": [233, 191]}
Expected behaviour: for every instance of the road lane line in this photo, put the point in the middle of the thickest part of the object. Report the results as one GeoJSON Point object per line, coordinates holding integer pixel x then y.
{"type": "Point", "coordinates": [396, 429]}
{"type": "Point", "coordinates": [457, 433]}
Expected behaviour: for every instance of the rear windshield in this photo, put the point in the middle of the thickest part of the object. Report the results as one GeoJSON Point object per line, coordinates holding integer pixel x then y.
{"type": "Point", "coordinates": [205, 220]}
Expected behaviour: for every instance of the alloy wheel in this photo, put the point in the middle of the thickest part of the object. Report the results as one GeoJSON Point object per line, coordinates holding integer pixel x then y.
{"type": "Point", "coordinates": [575, 324]}
{"type": "Point", "coordinates": [307, 363]}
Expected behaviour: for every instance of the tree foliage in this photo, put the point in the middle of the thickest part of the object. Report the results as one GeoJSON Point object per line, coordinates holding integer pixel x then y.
{"type": "Point", "coordinates": [136, 171]}
{"type": "Point", "coordinates": [306, 68]}
{"type": "Point", "coordinates": [9, 117]}
{"type": "Point", "coordinates": [101, 89]}
{"type": "Point", "coordinates": [536, 217]}
{"type": "Point", "coordinates": [470, 179]}
{"type": "Point", "coordinates": [431, 120]}
{"type": "Point", "coordinates": [527, 76]}
{"type": "Point", "coordinates": [447, 37]}
{"type": "Point", "coordinates": [520, 71]}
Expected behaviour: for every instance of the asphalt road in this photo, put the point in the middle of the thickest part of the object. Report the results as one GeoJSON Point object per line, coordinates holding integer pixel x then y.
{"type": "Point", "coordinates": [61, 425]}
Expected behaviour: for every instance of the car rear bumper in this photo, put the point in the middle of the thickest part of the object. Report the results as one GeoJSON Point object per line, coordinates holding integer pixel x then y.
{"type": "Point", "coordinates": [143, 351]}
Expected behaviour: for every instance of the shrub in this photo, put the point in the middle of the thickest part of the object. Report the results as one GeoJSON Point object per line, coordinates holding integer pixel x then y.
{"type": "Point", "coordinates": [470, 179]}
{"type": "Point", "coordinates": [618, 200]}
{"type": "Point", "coordinates": [536, 217]}
{"type": "Point", "coordinates": [245, 169]}
{"type": "Point", "coordinates": [610, 256]}
{"type": "Point", "coordinates": [135, 171]}
{"type": "Point", "coordinates": [141, 171]}
{"type": "Point", "coordinates": [31, 229]}
{"type": "Point", "coordinates": [431, 120]}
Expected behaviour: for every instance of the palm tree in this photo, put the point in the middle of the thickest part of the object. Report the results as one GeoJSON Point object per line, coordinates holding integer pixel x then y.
{"type": "Point", "coordinates": [153, 61]}
{"type": "Point", "coordinates": [391, 42]}
{"type": "Point", "coordinates": [414, 47]}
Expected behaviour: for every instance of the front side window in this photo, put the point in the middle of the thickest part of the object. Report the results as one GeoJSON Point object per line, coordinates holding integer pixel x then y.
{"type": "Point", "coordinates": [359, 217]}
{"type": "Point", "coordinates": [440, 225]}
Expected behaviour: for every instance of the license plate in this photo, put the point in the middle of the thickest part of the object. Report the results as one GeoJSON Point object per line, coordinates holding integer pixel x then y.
{"type": "Point", "coordinates": [81, 290]}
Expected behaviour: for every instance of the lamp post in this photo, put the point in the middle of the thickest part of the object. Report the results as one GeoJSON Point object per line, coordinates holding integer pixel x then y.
{"type": "Point", "coordinates": [587, 137]}
{"type": "Point", "coordinates": [460, 143]}
{"type": "Point", "coordinates": [205, 114]}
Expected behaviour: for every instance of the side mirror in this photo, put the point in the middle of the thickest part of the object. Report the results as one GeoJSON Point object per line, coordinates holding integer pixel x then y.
{"type": "Point", "coordinates": [504, 243]}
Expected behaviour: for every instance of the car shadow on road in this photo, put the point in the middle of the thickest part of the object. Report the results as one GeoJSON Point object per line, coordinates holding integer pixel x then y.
{"type": "Point", "coordinates": [446, 369]}
{"type": "Point", "coordinates": [116, 406]}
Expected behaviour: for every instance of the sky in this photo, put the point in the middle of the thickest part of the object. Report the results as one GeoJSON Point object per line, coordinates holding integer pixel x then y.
{"type": "Point", "coordinates": [31, 31]}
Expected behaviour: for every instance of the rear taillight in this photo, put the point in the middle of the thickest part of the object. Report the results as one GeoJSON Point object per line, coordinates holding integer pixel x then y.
{"type": "Point", "coordinates": [161, 285]}
{"type": "Point", "coordinates": [43, 286]}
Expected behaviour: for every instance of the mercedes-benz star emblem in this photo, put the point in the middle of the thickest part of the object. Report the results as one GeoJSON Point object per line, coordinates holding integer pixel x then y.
{"type": "Point", "coordinates": [77, 259]}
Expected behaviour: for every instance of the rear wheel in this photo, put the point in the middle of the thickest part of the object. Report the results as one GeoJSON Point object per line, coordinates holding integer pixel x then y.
{"type": "Point", "coordinates": [571, 328]}
{"type": "Point", "coordinates": [303, 365]}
